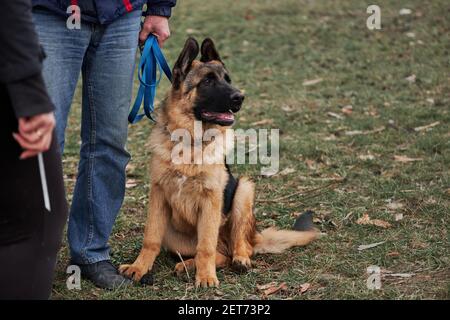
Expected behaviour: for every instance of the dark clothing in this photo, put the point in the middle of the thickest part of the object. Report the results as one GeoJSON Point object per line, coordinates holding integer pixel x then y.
{"type": "Point", "coordinates": [30, 236]}
{"type": "Point", "coordinates": [21, 61]}
{"type": "Point", "coordinates": [106, 11]}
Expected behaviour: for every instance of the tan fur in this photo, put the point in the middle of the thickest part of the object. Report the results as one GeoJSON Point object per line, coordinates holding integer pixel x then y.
{"type": "Point", "coordinates": [185, 212]}
{"type": "Point", "coordinates": [277, 241]}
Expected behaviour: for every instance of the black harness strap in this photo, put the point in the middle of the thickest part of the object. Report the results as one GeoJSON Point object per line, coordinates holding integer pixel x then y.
{"type": "Point", "coordinates": [229, 192]}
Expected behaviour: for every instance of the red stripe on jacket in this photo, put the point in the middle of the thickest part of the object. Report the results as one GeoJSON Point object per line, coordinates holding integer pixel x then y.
{"type": "Point", "coordinates": [74, 2]}
{"type": "Point", "coordinates": [128, 5]}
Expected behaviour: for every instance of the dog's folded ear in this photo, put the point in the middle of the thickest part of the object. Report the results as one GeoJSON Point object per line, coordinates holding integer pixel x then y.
{"type": "Point", "coordinates": [184, 62]}
{"type": "Point", "coordinates": [209, 51]}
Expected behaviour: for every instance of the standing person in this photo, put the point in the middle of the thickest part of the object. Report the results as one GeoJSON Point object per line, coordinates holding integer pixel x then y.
{"type": "Point", "coordinates": [31, 225]}
{"type": "Point", "coordinates": [104, 50]}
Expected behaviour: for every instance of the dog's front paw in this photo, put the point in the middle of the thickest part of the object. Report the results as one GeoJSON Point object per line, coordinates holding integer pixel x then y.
{"type": "Point", "coordinates": [206, 281]}
{"type": "Point", "coordinates": [241, 264]}
{"type": "Point", "coordinates": [133, 271]}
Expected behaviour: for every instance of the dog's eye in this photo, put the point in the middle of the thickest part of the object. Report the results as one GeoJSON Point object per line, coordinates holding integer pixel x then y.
{"type": "Point", "coordinates": [208, 79]}
{"type": "Point", "coordinates": [227, 78]}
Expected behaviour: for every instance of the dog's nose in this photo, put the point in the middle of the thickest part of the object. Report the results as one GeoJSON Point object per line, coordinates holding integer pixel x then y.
{"type": "Point", "coordinates": [237, 98]}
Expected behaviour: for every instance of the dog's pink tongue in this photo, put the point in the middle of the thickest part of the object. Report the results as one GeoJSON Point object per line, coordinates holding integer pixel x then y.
{"type": "Point", "coordinates": [226, 116]}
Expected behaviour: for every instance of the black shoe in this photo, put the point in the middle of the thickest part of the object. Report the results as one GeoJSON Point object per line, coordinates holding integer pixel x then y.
{"type": "Point", "coordinates": [104, 275]}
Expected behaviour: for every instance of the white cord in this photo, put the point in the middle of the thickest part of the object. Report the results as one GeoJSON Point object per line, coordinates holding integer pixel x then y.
{"type": "Point", "coordinates": [44, 182]}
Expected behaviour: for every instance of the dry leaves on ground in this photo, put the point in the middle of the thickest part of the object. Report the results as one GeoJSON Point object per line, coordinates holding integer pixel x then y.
{"type": "Point", "coordinates": [286, 171]}
{"type": "Point", "coordinates": [400, 158]}
{"type": "Point", "coordinates": [428, 126]}
{"type": "Point", "coordinates": [347, 110]}
{"type": "Point", "coordinates": [404, 11]}
{"type": "Point", "coordinates": [368, 246]}
{"type": "Point", "coordinates": [304, 287]}
{"type": "Point", "coordinates": [262, 122]}
{"type": "Point", "coordinates": [411, 78]}
{"type": "Point", "coordinates": [366, 157]}
{"type": "Point", "coordinates": [271, 288]}
{"type": "Point", "coordinates": [395, 205]}
{"type": "Point", "coordinates": [360, 132]}
{"type": "Point", "coordinates": [335, 115]}
{"type": "Point", "coordinates": [366, 220]}
{"type": "Point", "coordinates": [312, 82]}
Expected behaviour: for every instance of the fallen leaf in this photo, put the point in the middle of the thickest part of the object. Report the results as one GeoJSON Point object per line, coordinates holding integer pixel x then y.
{"type": "Point", "coordinates": [331, 137]}
{"type": "Point", "coordinates": [393, 254]}
{"type": "Point", "coordinates": [312, 82]}
{"type": "Point", "coordinates": [272, 288]}
{"type": "Point", "coordinates": [219, 293]}
{"type": "Point", "coordinates": [366, 156]}
{"type": "Point", "coordinates": [428, 126]}
{"type": "Point", "coordinates": [262, 122]}
{"type": "Point", "coordinates": [131, 183]}
{"type": "Point", "coordinates": [304, 287]}
{"type": "Point", "coordinates": [191, 31]}
{"type": "Point", "coordinates": [395, 205]}
{"type": "Point", "coordinates": [366, 220]}
{"type": "Point", "coordinates": [287, 108]}
{"type": "Point", "coordinates": [249, 16]}
{"type": "Point", "coordinates": [263, 287]}
{"type": "Point", "coordinates": [405, 159]}
{"type": "Point", "coordinates": [431, 200]}
{"type": "Point", "coordinates": [404, 11]}
{"type": "Point", "coordinates": [287, 171]}
{"type": "Point", "coordinates": [410, 34]}
{"type": "Point", "coordinates": [399, 275]}
{"type": "Point", "coordinates": [359, 132]}
{"type": "Point", "coordinates": [398, 216]}
{"type": "Point", "coordinates": [312, 165]}
{"type": "Point", "coordinates": [335, 115]}
{"type": "Point", "coordinates": [411, 78]}
{"type": "Point", "coordinates": [348, 110]}
{"type": "Point", "coordinates": [373, 113]}
{"type": "Point", "coordinates": [296, 214]}
{"type": "Point", "coordinates": [368, 246]}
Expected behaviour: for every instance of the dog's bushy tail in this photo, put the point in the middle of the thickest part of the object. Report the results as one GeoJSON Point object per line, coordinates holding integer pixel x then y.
{"type": "Point", "coordinates": [272, 240]}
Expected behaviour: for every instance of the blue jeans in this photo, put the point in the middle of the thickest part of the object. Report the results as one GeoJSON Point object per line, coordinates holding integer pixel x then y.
{"type": "Point", "coordinates": [105, 55]}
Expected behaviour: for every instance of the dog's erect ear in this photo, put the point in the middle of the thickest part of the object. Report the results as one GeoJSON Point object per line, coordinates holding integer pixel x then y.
{"type": "Point", "coordinates": [184, 62]}
{"type": "Point", "coordinates": [209, 51]}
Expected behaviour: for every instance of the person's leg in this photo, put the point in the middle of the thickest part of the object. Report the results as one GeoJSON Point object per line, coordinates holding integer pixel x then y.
{"type": "Point", "coordinates": [28, 264]}
{"type": "Point", "coordinates": [65, 50]}
{"type": "Point", "coordinates": [107, 71]}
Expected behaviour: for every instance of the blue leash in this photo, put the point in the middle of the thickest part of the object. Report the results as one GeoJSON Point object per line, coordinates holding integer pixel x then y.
{"type": "Point", "coordinates": [151, 59]}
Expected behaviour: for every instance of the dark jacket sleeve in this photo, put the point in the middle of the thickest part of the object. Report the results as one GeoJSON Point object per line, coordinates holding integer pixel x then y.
{"type": "Point", "coordinates": [160, 7]}
{"type": "Point", "coordinates": [21, 60]}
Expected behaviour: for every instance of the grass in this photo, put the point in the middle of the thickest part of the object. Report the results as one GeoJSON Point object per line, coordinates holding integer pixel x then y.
{"type": "Point", "coordinates": [271, 48]}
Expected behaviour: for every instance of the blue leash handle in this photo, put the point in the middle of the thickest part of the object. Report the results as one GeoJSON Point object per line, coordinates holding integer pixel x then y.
{"type": "Point", "coordinates": [152, 59]}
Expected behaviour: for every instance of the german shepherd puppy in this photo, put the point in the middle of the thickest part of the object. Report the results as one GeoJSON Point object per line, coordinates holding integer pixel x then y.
{"type": "Point", "coordinates": [187, 214]}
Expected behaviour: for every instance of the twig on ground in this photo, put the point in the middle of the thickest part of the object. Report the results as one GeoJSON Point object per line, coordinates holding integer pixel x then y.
{"type": "Point", "coordinates": [184, 265]}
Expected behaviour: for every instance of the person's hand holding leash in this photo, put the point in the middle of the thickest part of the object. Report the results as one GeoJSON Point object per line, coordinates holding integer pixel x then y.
{"type": "Point", "coordinates": [157, 25]}
{"type": "Point", "coordinates": [35, 134]}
